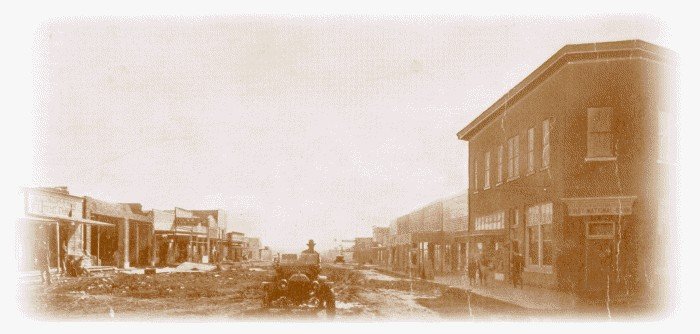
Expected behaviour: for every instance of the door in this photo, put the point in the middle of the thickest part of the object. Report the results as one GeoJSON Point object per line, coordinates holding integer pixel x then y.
{"type": "Point", "coordinates": [599, 254]}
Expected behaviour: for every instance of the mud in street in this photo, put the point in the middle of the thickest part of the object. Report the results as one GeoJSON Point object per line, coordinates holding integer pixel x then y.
{"type": "Point", "coordinates": [361, 294]}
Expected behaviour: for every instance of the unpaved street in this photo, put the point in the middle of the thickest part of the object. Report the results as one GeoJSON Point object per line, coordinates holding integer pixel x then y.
{"type": "Point", "coordinates": [361, 294]}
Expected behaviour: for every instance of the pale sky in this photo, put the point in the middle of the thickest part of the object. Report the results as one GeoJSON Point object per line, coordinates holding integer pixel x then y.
{"type": "Point", "coordinates": [299, 127]}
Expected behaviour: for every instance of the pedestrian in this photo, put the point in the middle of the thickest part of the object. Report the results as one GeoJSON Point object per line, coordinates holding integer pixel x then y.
{"type": "Point", "coordinates": [63, 258]}
{"type": "Point", "coordinates": [42, 262]}
{"type": "Point", "coordinates": [518, 264]}
{"type": "Point", "coordinates": [472, 268]}
{"type": "Point", "coordinates": [483, 265]}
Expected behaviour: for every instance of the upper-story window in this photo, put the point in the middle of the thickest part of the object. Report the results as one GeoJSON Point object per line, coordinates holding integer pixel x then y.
{"type": "Point", "coordinates": [513, 157]}
{"type": "Point", "coordinates": [600, 135]}
{"type": "Point", "coordinates": [476, 174]}
{"type": "Point", "coordinates": [499, 172]}
{"type": "Point", "coordinates": [545, 143]}
{"type": "Point", "coordinates": [667, 136]}
{"type": "Point", "coordinates": [530, 150]}
{"type": "Point", "coordinates": [487, 170]}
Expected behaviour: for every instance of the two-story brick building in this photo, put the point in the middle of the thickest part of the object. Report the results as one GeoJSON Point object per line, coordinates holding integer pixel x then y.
{"type": "Point", "coordinates": [567, 168]}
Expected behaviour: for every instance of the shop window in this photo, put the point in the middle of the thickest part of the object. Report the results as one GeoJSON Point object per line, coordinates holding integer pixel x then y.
{"type": "Point", "coordinates": [487, 170]}
{"type": "Point", "coordinates": [600, 136]}
{"type": "Point", "coordinates": [499, 172]}
{"type": "Point", "coordinates": [513, 157]}
{"type": "Point", "coordinates": [545, 143]}
{"type": "Point", "coordinates": [530, 150]}
{"type": "Point", "coordinates": [539, 236]}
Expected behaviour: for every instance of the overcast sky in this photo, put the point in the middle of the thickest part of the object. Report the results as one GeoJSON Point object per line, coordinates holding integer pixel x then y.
{"type": "Point", "coordinates": [298, 127]}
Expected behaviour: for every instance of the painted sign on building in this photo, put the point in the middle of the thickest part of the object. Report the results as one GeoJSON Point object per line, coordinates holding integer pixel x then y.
{"type": "Point", "coordinates": [494, 221]}
{"type": "Point", "coordinates": [50, 204]}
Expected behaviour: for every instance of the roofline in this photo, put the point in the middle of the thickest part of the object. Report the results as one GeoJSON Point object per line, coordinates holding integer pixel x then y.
{"type": "Point", "coordinates": [569, 53]}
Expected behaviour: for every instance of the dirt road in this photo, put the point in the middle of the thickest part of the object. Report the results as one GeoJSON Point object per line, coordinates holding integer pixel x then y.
{"type": "Point", "coordinates": [361, 294]}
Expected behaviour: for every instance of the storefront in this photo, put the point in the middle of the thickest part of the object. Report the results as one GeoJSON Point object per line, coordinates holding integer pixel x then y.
{"type": "Point", "coordinates": [130, 243]}
{"type": "Point", "coordinates": [605, 232]}
{"type": "Point", "coordinates": [490, 240]}
{"type": "Point", "coordinates": [54, 224]}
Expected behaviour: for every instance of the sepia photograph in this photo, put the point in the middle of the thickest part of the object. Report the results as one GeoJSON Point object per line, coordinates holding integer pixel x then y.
{"type": "Point", "coordinates": [282, 168]}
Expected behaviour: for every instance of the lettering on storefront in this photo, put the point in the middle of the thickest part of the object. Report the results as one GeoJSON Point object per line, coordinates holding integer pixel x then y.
{"type": "Point", "coordinates": [494, 221]}
{"type": "Point", "coordinates": [50, 205]}
{"type": "Point", "coordinates": [600, 206]}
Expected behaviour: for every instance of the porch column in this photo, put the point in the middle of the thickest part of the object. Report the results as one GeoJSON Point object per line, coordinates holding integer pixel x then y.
{"type": "Point", "coordinates": [152, 235]}
{"type": "Point", "coordinates": [137, 241]}
{"type": "Point", "coordinates": [58, 246]}
{"type": "Point", "coordinates": [170, 256]}
{"type": "Point", "coordinates": [124, 244]}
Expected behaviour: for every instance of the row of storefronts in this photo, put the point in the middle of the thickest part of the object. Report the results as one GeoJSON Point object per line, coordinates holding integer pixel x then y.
{"type": "Point", "coordinates": [426, 242]}
{"type": "Point", "coordinates": [573, 171]}
{"type": "Point", "coordinates": [57, 224]}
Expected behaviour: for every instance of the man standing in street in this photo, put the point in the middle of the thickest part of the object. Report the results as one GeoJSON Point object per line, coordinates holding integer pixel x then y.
{"type": "Point", "coordinates": [518, 263]}
{"type": "Point", "coordinates": [310, 250]}
{"type": "Point", "coordinates": [42, 262]}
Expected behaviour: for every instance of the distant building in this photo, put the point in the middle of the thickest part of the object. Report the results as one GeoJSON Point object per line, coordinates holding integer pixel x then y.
{"type": "Point", "coordinates": [252, 251]}
{"type": "Point", "coordinates": [236, 246]}
{"type": "Point", "coordinates": [380, 249]}
{"type": "Point", "coordinates": [265, 254]}
{"type": "Point", "coordinates": [362, 250]}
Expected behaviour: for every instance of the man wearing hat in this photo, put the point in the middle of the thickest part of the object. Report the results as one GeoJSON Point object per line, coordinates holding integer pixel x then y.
{"type": "Point", "coordinates": [310, 250]}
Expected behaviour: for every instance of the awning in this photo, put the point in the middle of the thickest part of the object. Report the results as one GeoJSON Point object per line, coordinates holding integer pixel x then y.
{"type": "Point", "coordinates": [53, 220]}
{"type": "Point", "coordinates": [31, 220]}
{"type": "Point", "coordinates": [87, 221]}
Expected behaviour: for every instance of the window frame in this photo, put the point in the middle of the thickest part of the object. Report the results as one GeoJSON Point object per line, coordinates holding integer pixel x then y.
{"type": "Point", "coordinates": [546, 143]}
{"type": "Point", "coordinates": [599, 236]}
{"type": "Point", "coordinates": [598, 133]}
{"type": "Point", "coordinates": [537, 226]}
{"type": "Point", "coordinates": [530, 151]}
{"type": "Point", "coordinates": [487, 170]}
{"type": "Point", "coordinates": [499, 165]}
{"type": "Point", "coordinates": [476, 174]}
{"type": "Point", "coordinates": [667, 138]}
{"type": "Point", "coordinates": [514, 157]}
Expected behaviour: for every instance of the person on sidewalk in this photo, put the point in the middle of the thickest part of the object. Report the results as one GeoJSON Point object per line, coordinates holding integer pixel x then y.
{"type": "Point", "coordinates": [42, 263]}
{"type": "Point", "coordinates": [518, 264]}
{"type": "Point", "coordinates": [483, 265]}
{"type": "Point", "coordinates": [472, 268]}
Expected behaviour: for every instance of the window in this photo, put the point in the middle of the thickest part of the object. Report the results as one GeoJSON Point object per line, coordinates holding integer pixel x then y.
{"type": "Point", "coordinates": [667, 133]}
{"type": "Point", "coordinates": [487, 170]}
{"type": "Point", "coordinates": [600, 137]}
{"type": "Point", "coordinates": [600, 230]}
{"type": "Point", "coordinates": [545, 143]}
{"type": "Point", "coordinates": [513, 158]}
{"type": "Point", "coordinates": [499, 172]}
{"type": "Point", "coordinates": [476, 175]}
{"type": "Point", "coordinates": [530, 150]}
{"type": "Point", "coordinates": [539, 235]}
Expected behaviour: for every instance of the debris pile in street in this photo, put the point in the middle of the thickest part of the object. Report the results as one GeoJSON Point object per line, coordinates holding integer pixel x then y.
{"type": "Point", "coordinates": [167, 285]}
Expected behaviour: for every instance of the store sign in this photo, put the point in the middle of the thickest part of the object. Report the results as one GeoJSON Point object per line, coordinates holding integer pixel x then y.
{"type": "Point", "coordinates": [53, 205]}
{"type": "Point", "coordinates": [600, 206]}
{"type": "Point", "coordinates": [495, 221]}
